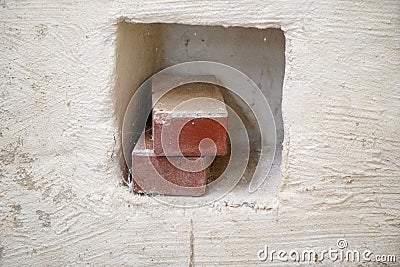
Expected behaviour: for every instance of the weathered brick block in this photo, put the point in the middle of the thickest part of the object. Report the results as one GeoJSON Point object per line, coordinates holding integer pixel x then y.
{"type": "Point", "coordinates": [155, 174]}
{"type": "Point", "coordinates": [186, 115]}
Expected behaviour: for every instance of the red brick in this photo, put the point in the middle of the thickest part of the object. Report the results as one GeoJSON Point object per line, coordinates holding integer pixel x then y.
{"type": "Point", "coordinates": [155, 174]}
{"type": "Point", "coordinates": [204, 116]}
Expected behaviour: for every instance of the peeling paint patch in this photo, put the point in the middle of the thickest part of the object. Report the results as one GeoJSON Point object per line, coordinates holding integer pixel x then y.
{"type": "Point", "coordinates": [63, 195]}
{"type": "Point", "coordinates": [44, 218]}
{"type": "Point", "coordinates": [15, 210]}
{"type": "Point", "coordinates": [25, 179]}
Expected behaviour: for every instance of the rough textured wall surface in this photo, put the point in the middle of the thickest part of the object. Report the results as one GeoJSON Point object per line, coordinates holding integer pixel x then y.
{"type": "Point", "coordinates": [61, 199]}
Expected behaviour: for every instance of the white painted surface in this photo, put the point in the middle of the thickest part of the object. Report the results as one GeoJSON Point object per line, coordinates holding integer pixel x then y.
{"type": "Point", "coordinates": [61, 202]}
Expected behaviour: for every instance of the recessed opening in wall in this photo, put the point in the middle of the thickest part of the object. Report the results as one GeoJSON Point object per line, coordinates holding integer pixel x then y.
{"type": "Point", "coordinates": [144, 49]}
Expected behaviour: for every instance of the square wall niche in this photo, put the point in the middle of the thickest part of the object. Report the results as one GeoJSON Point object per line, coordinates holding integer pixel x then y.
{"type": "Point", "coordinates": [144, 49]}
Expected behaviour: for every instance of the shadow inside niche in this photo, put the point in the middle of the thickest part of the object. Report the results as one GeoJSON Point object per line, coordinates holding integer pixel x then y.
{"type": "Point", "coordinates": [144, 49]}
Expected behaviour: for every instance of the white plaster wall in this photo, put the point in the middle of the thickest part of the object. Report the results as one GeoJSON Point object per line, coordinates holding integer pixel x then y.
{"type": "Point", "coordinates": [61, 199]}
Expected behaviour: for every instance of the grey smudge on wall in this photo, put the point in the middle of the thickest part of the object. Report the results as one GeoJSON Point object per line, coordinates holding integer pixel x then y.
{"type": "Point", "coordinates": [44, 218]}
{"type": "Point", "coordinates": [15, 210]}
